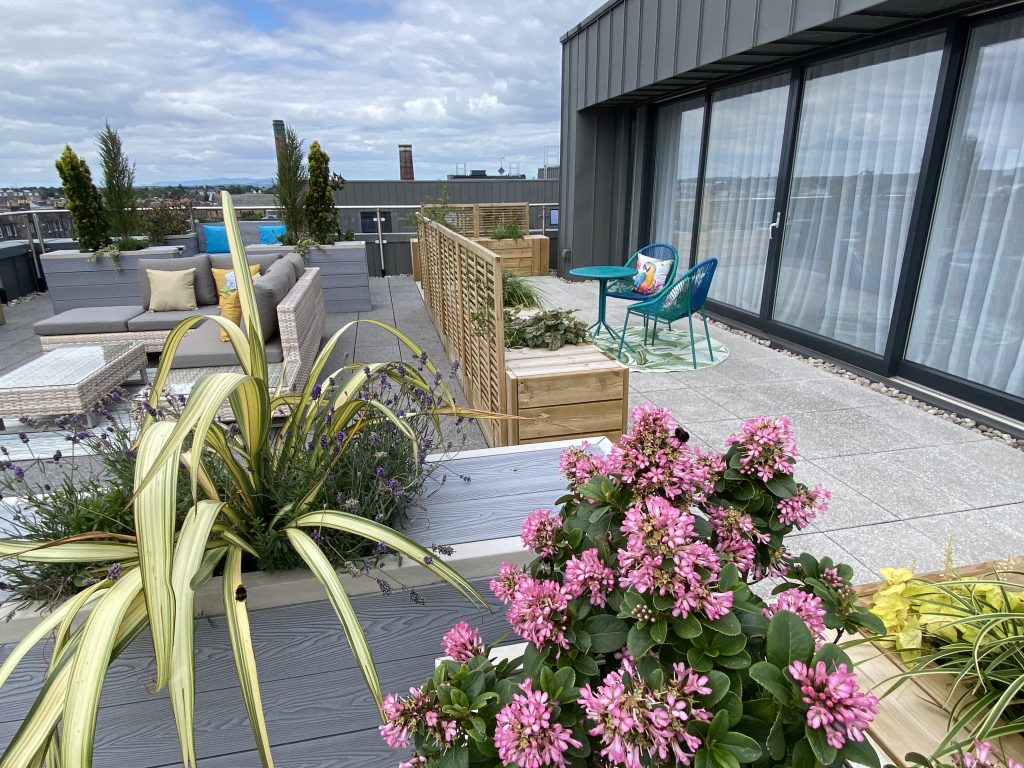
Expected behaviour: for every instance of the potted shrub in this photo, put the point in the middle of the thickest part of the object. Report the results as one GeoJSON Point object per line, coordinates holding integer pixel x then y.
{"type": "Point", "coordinates": [518, 251]}
{"type": "Point", "coordinates": [253, 493]}
{"type": "Point", "coordinates": [645, 642]}
{"type": "Point", "coordinates": [169, 222]}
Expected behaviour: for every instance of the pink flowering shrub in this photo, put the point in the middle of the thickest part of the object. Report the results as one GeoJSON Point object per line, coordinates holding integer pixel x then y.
{"type": "Point", "coordinates": [645, 645]}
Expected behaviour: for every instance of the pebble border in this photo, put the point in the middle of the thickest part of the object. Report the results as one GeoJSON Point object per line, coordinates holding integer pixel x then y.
{"type": "Point", "coordinates": [894, 392]}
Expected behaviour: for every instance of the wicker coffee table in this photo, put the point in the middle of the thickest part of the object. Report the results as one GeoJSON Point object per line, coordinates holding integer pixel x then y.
{"type": "Point", "coordinates": [70, 379]}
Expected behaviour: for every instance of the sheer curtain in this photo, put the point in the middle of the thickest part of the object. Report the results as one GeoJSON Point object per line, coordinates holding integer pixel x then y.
{"type": "Point", "coordinates": [969, 315]}
{"type": "Point", "coordinates": [744, 150]}
{"type": "Point", "coordinates": [860, 143]}
{"type": "Point", "coordinates": [677, 162]}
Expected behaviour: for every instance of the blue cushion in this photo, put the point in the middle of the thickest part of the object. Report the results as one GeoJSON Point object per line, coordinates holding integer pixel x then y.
{"type": "Point", "coordinates": [216, 238]}
{"type": "Point", "coordinates": [271, 234]}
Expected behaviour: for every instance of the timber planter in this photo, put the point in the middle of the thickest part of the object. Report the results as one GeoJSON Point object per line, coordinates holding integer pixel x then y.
{"type": "Point", "coordinates": [916, 715]}
{"type": "Point", "coordinates": [526, 256]}
{"type": "Point", "coordinates": [572, 392]}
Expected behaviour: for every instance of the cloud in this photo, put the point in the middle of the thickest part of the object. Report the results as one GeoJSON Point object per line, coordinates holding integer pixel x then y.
{"type": "Point", "coordinates": [192, 87]}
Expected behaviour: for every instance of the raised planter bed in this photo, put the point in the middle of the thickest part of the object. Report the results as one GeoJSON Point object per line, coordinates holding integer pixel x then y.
{"type": "Point", "coordinates": [526, 256]}
{"type": "Point", "coordinates": [566, 393]}
{"type": "Point", "coordinates": [914, 717]}
{"type": "Point", "coordinates": [74, 281]}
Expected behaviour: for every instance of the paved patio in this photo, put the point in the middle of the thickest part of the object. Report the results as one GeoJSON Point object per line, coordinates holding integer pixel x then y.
{"type": "Point", "coordinates": [904, 482]}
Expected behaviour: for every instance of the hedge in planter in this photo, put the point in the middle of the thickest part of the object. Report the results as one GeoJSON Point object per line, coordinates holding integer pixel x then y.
{"type": "Point", "coordinates": [645, 644]}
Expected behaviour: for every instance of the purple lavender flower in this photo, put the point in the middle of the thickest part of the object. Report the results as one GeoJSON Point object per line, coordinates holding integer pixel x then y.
{"type": "Point", "coordinates": [382, 547]}
{"type": "Point", "coordinates": [19, 473]}
{"type": "Point", "coordinates": [57, 456]}
{"type": "Point", "coordinates": [385, 587]}
{"type": "Point", "coordinates": [114, 572]}
{"type": "Point", "coordinates": [23, 437]}
{"type": "Point", "coordinates": [324, 441]}
{"type": "Point", "coordinates": [316, 392]}
{"type": "Point", "coordinates": [380, 472]}
{"type": "Point", "coordinates": [415, 596]}
{"type": "Point", "coordinates": [316, 536]}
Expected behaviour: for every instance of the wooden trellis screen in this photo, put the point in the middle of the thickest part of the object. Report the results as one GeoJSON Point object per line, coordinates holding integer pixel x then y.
{"type": "Point", "coordinates": [462, 290]}
{"type": "Point", "coordinates": [480, 220]}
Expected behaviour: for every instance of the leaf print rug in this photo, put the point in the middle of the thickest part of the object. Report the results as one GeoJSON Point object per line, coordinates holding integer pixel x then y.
{"type": "Point", "coordinates": [669, 352]}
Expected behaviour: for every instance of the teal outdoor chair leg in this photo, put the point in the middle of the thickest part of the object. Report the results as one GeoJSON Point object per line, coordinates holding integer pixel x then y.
{"type": "Point", "coordinates": [707, 335]}
{"type": "Point", "coordinates": [693, 344]}
{"type": "Point", "coordinates": [622, 336]}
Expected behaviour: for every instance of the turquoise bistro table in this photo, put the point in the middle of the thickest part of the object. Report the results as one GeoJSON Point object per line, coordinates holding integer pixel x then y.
{"type": "Point", "coordinates": [602, 275]}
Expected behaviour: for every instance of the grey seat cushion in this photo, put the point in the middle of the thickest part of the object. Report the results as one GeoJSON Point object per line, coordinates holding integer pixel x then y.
{"type": "Point", "coordinates": [164, 321]}
{"type": "Point", "coordinates": [223, 261]}
{"type": "Point", "coordinates": [206, 289]}
{"type": "Point", "coordinates": [297, 263]}
{"type": "Point", "coordinates": [270, 291]}
{"type": "Point", "coordinates": [202, 348]}
{"type": "Point", "coordinates": [88, 320]}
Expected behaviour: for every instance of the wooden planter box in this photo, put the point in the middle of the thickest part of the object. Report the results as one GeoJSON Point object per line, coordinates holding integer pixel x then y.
{"type": "Point", "coordinates": [572, 392]}
{"type": "Point", "coordinates": [914, 717]}
{"type": "Point", "coordinates": [526, 257]}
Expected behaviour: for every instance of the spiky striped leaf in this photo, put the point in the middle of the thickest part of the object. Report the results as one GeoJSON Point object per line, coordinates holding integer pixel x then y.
{"type": "Point", "coordinates": [94, 652]}
{"type": "Point", "coordinates": [246, 293]}
{"type": "Point", "coordinates": [241, 647]}
{"type": "Point", "coordinates": [188, 555]}
{"type": "Point", "coordinates": [70, 552]}
{"type": "Point", "coordinates": [368, 529]}
{"type": "Point", "coordinates": [155, 513]}
{"type": "Point", "coordinates": [328, 578]}
{"type": "Point", "coordinates": [67, 611]}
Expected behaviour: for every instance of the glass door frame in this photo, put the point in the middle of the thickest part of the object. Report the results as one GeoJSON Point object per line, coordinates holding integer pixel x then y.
{"type": "Point", "coordinates": [892, 361]}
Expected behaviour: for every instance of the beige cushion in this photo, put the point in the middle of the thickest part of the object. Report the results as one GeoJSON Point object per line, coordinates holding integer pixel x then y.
{"type": "Point", "coordinates": [172, 290]}
{"type": "Point", "coordinates": [206, 291]}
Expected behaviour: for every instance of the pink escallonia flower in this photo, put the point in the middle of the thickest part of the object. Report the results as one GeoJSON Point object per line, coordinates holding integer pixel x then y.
{"type": "Point", "coordinates": [508, 579]}
{"type": "Point", "coordinates": [768, 447]}
{"type": "Point", "coordinates": [737, 537]}
{"type": "Point", "coordinates": [462, 642]}
{"type": "Point", "coordinates": [589, 574]}
{"type": "Point", "coordinates": [805, 605]}
{"type": "Point", "coordinates": [578, 465]}
{"type": "Point", "coordinates": [537, 611]}
{"type": "Point", "coordinates": [403, 716]}
{"type": "Point", "coordinates": [653, 459]}
{"type": "Point", "coordinates": [540, 530]}
{"type": "Point", "coordinates": [663, 554]}
{"type": "Point", "coordinates": [805, 506]}
{"type": "Point", "coordinates": [834, 702]}
{"type": "Point", "coordinates": [636, 723]}
{"type": "Point", "coordinates": [526, 737]}
{"type": "Point", "coordinates": [981, 756]}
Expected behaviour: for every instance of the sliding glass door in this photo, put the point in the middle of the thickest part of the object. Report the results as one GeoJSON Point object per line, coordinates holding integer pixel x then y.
{"type": "Point", "coordinates": [860, 143]}
{"type": "Point", "coordinates": [969, 315]}
{"type": "Point", "coordinates": [676, 168]}
{"type": "Point", "coordinates": [740, 180]}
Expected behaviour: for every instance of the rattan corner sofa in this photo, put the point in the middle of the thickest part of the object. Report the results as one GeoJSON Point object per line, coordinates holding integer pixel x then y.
{"type": "Point", "coordinates": [300, 317]}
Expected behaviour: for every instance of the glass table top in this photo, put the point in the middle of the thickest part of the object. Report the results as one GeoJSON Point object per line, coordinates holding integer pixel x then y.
{"type": "Point", "coordinates": [65, 366]}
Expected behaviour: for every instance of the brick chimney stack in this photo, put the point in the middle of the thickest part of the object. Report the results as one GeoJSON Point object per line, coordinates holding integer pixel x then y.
{"type": "Point", "coordinates": [405, 162]}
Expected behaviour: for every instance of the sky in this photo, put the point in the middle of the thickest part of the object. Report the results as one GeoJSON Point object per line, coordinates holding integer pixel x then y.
{"type": "Point", "coordinates": [192, 87]}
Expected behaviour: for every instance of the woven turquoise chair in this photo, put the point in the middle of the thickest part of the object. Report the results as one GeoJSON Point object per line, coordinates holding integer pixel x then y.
{"type": "Point", "coordinates": [623, 289]}
{"type": "Point", "coordinates": [678, 300]}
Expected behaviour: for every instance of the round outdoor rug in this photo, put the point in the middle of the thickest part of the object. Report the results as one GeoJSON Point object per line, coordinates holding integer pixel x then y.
{"type": "Point", "coordinates": [669, 352]}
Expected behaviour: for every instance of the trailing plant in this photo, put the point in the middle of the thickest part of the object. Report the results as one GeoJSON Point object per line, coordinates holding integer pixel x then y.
{"type": "Point", "coordinates": [229, 470]}
{"type": "Point", "coordinates": [508, 230]}
{"type": "Point", "coordinates": [321, 217]}
{"type": "Point", "coordinates": [517, 292]}
{"type": "Point", "coordinates": [118, 184]}
{"type": "Point", "coordinates": [969, 630]}
{"type": "Point", "coordinates": [167, 217]}
{"type": "Point", "coordinates": [304, 245]}
{"type": "Point", "coordinates": [551, 329]}
{"type": "Point", "coordinates": [114, 250]}
{"type": "Point", "coordinates": [645, 644]}
{"type": "Point", "coordinates": [83, 200]}
{"type": "Point", "coordinates": [292, 178]}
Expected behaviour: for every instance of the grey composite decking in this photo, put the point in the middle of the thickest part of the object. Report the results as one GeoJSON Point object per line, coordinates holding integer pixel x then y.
{"type": "Point", "coordinates": [318, 711]}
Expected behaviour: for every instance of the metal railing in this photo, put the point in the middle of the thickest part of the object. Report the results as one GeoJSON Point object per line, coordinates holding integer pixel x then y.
{"type": "Point", "coordinates": [380, 235]}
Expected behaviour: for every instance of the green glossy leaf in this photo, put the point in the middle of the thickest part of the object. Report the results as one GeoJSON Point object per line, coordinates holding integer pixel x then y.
{"type": "Point", "coordinates": [777, 738]}
{"type": "Point", "coordinates": [745, 748]}
{"type": "Point", "coordinates": [824, 753]}
{"type": "Point", "coordinates": [783, 486]}
{"type": "Point", "coordinates": [687, 628]}
{"type": "Point", "coordinates": [861, 753]}
{"type": "Point", "coordinates": [788, 639]}
{"type": "Point", "coordinates": [773, 680]}
{"type": "Point", "coordinates": [639, 641]}
{"type": "Point", "coordinates": [607, 633]}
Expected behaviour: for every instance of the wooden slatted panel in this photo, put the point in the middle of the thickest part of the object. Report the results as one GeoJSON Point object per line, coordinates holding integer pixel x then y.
{"type": "Point", "coordinates": [490, 216]}
{"type": "Point", "coordinates": [462, 289]}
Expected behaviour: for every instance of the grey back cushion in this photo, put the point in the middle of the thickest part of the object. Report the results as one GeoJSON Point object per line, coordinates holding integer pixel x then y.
{"type": "Point", "coordinates": [270, 291]}
{"type": "Point", "coordinates": [206, 289]}
{"type": "Point", "coordinates": [223, 260]}
{"type": "Point", "coordinates": [297, 263]}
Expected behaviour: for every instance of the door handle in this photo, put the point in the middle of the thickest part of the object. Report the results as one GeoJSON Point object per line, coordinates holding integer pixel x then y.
{"type": "Point", "coordinates": [775, 224]}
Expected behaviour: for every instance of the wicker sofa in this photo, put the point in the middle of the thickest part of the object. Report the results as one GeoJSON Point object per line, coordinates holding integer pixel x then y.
{"type": "Point", "coordinates": [290, 351]}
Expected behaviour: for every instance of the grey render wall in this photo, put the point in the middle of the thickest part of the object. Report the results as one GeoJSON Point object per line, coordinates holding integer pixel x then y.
{"type": "Point", "coordinates": [630, 53]}
{"type": "Point", "coordinates": [372, 193]}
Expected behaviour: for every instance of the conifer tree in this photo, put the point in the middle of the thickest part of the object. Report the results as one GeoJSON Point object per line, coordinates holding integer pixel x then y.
{"type": "Point", "coordinates": [84, 201]}
{"type": "Point", "coordinates": [321, 218]}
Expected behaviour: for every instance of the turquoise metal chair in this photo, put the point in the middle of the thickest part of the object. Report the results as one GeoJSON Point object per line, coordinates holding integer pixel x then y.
{"type": "Point", "coordinates": [623, 289]}
{"type": "Point", "coordinates": [678, 300]}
